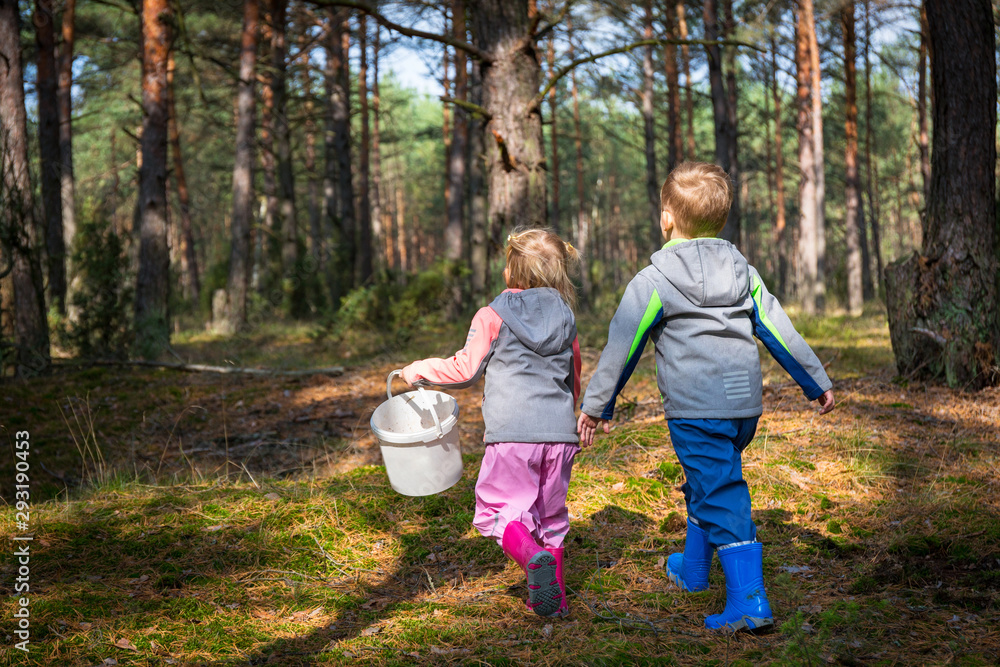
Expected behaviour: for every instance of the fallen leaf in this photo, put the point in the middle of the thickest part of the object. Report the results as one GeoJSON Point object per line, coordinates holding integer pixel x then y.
{"type": "Point", "coordinates": [371, 630]}
{"type": "Point", "coordinates": [661, 562]}
{"type": "Point", "coordinates": [273, 496]}
{"type": "Point", "coordinates": [620, 486]}
{"type": "Point", "coordinates": [85, 626]}
{"type": "Point", "coordinates": [141, 579]}
{"type": "Point", "coordinates": [125, 644]}
{"type": "Point", "coordinates": [109, 662]}
{"type": "Point", "coordinates": [811, 609]}
{"type": "Point", "coordinates": [547, 630]}
{"type": "Point", "coordinates": [212, 529]}
{"type": "Point", "coordinates": [432, 558]}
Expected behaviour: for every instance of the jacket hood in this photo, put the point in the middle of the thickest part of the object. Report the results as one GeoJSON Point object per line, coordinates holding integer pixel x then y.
{"type": "Point", "coordinates": [539, 318]}
{"type": "Point", "coordinates": [709, 272]}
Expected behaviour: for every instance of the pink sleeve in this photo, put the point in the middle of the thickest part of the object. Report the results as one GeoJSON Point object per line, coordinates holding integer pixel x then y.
{"type": "Point", "coordinates": [468, 363]}
{"type": "Point", "coordinates": [577, 367]}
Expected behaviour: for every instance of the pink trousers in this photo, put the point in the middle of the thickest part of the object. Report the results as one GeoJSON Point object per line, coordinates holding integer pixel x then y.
{"type": "Point", "coordinates": [526, 482]}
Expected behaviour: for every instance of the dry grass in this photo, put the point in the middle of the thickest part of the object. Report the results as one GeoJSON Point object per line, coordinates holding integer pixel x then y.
{"type": "Point", "coordinates": [247, 522]}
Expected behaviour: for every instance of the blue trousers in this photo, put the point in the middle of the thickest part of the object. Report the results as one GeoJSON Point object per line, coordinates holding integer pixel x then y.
{"type": "Point", "coordinates": [715, 492]}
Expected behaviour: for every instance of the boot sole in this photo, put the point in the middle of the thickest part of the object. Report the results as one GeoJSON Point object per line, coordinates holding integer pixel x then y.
{"type": "Point", "coordinates": [544, 594]}
{"type": "Point", "coordinates": [751, 624]}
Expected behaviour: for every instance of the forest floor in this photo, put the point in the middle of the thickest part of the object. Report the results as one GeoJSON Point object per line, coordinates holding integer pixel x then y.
{"type": "Point", "coordinates": [202, 519]}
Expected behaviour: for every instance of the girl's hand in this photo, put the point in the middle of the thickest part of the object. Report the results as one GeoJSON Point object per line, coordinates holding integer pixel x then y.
{"type": "Point", "coordinates": [826, 402]}
{"type": "Point", "coordinates": [586, 426]}
{"type": "Point", "coordinates": [409, 375]}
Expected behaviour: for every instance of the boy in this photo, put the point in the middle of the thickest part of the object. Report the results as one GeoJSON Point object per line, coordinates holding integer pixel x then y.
{"type": "Point", "coordinates": [701, 303]}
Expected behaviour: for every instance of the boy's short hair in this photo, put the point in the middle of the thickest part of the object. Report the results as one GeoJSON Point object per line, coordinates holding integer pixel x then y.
{"type": "Point", "coordinates": [699, 195]}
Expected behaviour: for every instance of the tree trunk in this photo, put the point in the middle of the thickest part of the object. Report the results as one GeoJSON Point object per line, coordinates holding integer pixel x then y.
{"type": "Point", "coordinates": [944, 318]}
{"type": "Point", "coordinates": [675, 142]}
{"type": "Point", "coordinates": [735, 220]}
{"type": "Point", "coordinates": [923, 140]}
{"type": "Point", "coordinates": [317, 250]}
{"type": "Point", "coordinates": [455, 229]}
{"type": "Point", "coordinates": [515, 159]}
{"type": "Point", "coordinates": [780, 231]}
{"type": "Point", "coordinates": [852, 184]}
{"type": "Point", "coordinates": [189, 258]}
{"type": "Point", "coordinates": [152, 288]}
{"type": "Point", "coordinates": [269, 239]}
{"type": "Point", "coordinates": [871, 166]}
{"type": "Point", "coordinates": [292, 284]}
{"type": "Point", "coordinates": [340, 99]}
{"type": "Point", "coordinates": [582, 231]}
{"type": "Point", "coordinates": [238, 283]}
{"type": "Point", "coordinates": [23, 287]}
{"type": "Point", "coordinates": [48, 144]}
{"type": "Point", "coordinates": [720, 109]}
{"type": "Point", "coordinates": [478, 220]}
{"type": "Point", "coordinates": [818, 159]}
{"type": "Point", "coordinates": [649, 133]}
{"type": "Point", "coordinates": [364, 164]}
{"type": "Point", "coordinates": [379, 230]}
{"type": "Point", "coordinates": [689, 97]}
{"type": "Point", "coordinates": [807, 271]}
{"type": "Point", "coordinates": [67, 183]}
{"type": "Point", "coordinates": [554, 215]}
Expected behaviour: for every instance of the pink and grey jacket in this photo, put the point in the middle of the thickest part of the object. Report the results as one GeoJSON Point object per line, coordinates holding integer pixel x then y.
{"type": "Point", "coordinates": [526, 341]}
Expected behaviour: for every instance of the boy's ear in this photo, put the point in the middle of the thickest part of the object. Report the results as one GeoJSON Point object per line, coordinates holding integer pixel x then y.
{"type": "Point", "coordinates": [666, 223]}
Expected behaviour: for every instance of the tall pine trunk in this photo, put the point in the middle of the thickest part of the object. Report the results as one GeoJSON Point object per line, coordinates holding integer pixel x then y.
{"type": "Point", "coordinates": [675, 141]}
{"type": "Point", "coordinates": [819, 288]}
{"type": "Point", "coordinates": [189, 258]}
{"type": "Point", "coordinates": [582, 226]}
{"type": "Point", "coordinates": [364, 159]}
{"type": "Point", "coordinates": [379, 229]}
{"type": "Point", "coordinates": [47, 86]}
{"type": "Point", "coordinates": [269, 241]}
{"type": "Point", "coordinates": [458, 151]}
{"type": "Point", "coordinates": [689, 92]}
{"type": "Point", "coordinates": [22, 289]}
{"type": "Point", "coordinates": [923, 139]}
{"type": "Point", "coordinates": [852, 183]}
{"type": "Point", "coordinates": [67, 183]}
{"type": "Point", "coordinates": [238, 283]}
{"type": "Point", "coordinates": [943, 306]}
{"type": "Point", "coordinates": [316, 244]}
{"type": "Point", "coordinates": [871, 164]}
{"type": "Point", "coordinates": [807, 259]}
{"type": "Point", "coordinates": [720, 108]}
{"type": "Point", "coordinates": [780, 225]}
{"type": "Point", "coordinates": [735, 221]}
{"type": "Point", "coordinates": [514, 152]}
{"type": "Point", "coordinates": [339, 156]}
{"type": "Point", "coordinates": [152, 287]}
{"type": "Point", "coordinates": [649, 130]}
{"type": "Point", "coordinates": [478, 220]}
{"type": "Point", "coordinates": [554, 213]}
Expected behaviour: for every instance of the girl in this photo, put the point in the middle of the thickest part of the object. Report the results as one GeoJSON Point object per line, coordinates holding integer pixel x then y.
{"type": "Point", "coordinates": [527, 341]}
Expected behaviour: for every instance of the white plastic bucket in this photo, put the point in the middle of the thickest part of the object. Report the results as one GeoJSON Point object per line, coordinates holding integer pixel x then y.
{"type": "Point", "coordinates": [417, 432]}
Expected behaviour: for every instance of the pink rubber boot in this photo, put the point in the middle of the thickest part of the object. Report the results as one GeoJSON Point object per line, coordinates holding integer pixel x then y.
{"type": "Point", "coordinates": [539, 565]}
{"type": "Point", "coordinates": [564, 606]}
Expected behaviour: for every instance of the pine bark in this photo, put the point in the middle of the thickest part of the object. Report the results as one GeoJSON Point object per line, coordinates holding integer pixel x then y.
{"type": "Point", "coordinates": [478, 221]}
{"type": "Point", "coordinates": [944, 315]}
{"type": "Point", "coordinates": [514, 152]}
{"type": "Point", "coordinates": [240, 263]}
{"type": "Point", "coordinates": [22, 288]}
{"type": "Point", "coordinates": [735, 220]}
{"type": "Point", "coordinates": [152, 289]}
{"type": "Point", "coordinates": [852, 182]}
{"type": "Point", "coordinates": [923, 136]}
{"type": "Point", "coordinates": [269, 239]}
{"type": "Point", "coordinates": [807, 259]}
{"type": "Point", "coordinates": [819, 161]}
{"type": "Point", "coordinates": [582, 226]}
{"type": "Point", "coordinates": [871, 165]}
{"type": "Point", "coordinates": [675, 141]}
{"type": "Point", "coordinates": [720, 108]}
{"type": "Point", "coordinates": [47, 86]}
{"type": "Point", "coordinates": [66, 179]}
{"type": "Point", "coordinates": [554, 214]}
{"type": "Point", "coordinates": [458, 150]}
{"type": "Point", "coordinates": [649, 131]}
{"type": "Point", "coordinates": [343, 220]}
{"type": "Point", "coordinates": [317, 248]}
{"type": "Point", "coordinates": [189, 258]}
{"type": "Point", "coordinates": [365, 269]}
{"type": "Point", "coordinates": [689, 92]}
{"type": "Point", "coordinates": [379, 228]}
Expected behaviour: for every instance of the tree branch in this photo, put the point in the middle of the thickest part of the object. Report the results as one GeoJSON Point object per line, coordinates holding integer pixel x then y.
{"type": "Point", "coordinates": [409, 32]}
{"type": "Point", "coordinates": [474, 109]}
{"type": "Point", "coordinates": [540, 97]}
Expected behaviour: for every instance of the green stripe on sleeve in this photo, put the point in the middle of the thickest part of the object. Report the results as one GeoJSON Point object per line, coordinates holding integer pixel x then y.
{"type": "Point", "coordinates": [648, 319]}
{"type": "Point", "coordinates": [755, 292]}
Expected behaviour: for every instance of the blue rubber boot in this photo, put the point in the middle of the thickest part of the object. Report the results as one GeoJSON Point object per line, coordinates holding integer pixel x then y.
{"type": "Point", "coordinates": [689, 571]}
{"type": "Point", "coordinates": [747, 607]}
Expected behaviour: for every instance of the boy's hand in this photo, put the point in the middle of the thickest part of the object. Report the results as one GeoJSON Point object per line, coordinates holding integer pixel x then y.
{"type": "Point", "coordinates": [826, 402]}
{"type": "Point", "coordinates": [586, 426]}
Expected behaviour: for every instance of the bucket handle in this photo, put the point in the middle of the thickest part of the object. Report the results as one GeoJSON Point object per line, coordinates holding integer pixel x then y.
{"type": "Point", "coordinates": [424, 398]}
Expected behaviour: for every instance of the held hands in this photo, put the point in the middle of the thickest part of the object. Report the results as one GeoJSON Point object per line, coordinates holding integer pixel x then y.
{"type": "Point", "coordinates": [586, 426]}
{"type": "Point", "coordinates": [826, 402]}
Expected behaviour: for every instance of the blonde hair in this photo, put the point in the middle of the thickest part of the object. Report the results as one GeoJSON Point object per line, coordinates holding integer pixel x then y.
{"type": "Point", "coordinates": [539, 258]}
{"type": "Point", "coordinates": [698, 195]}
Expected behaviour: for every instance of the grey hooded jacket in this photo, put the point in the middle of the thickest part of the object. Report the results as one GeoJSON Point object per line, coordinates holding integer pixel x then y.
{"type": "Point", "coordinates": [702, 304]}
